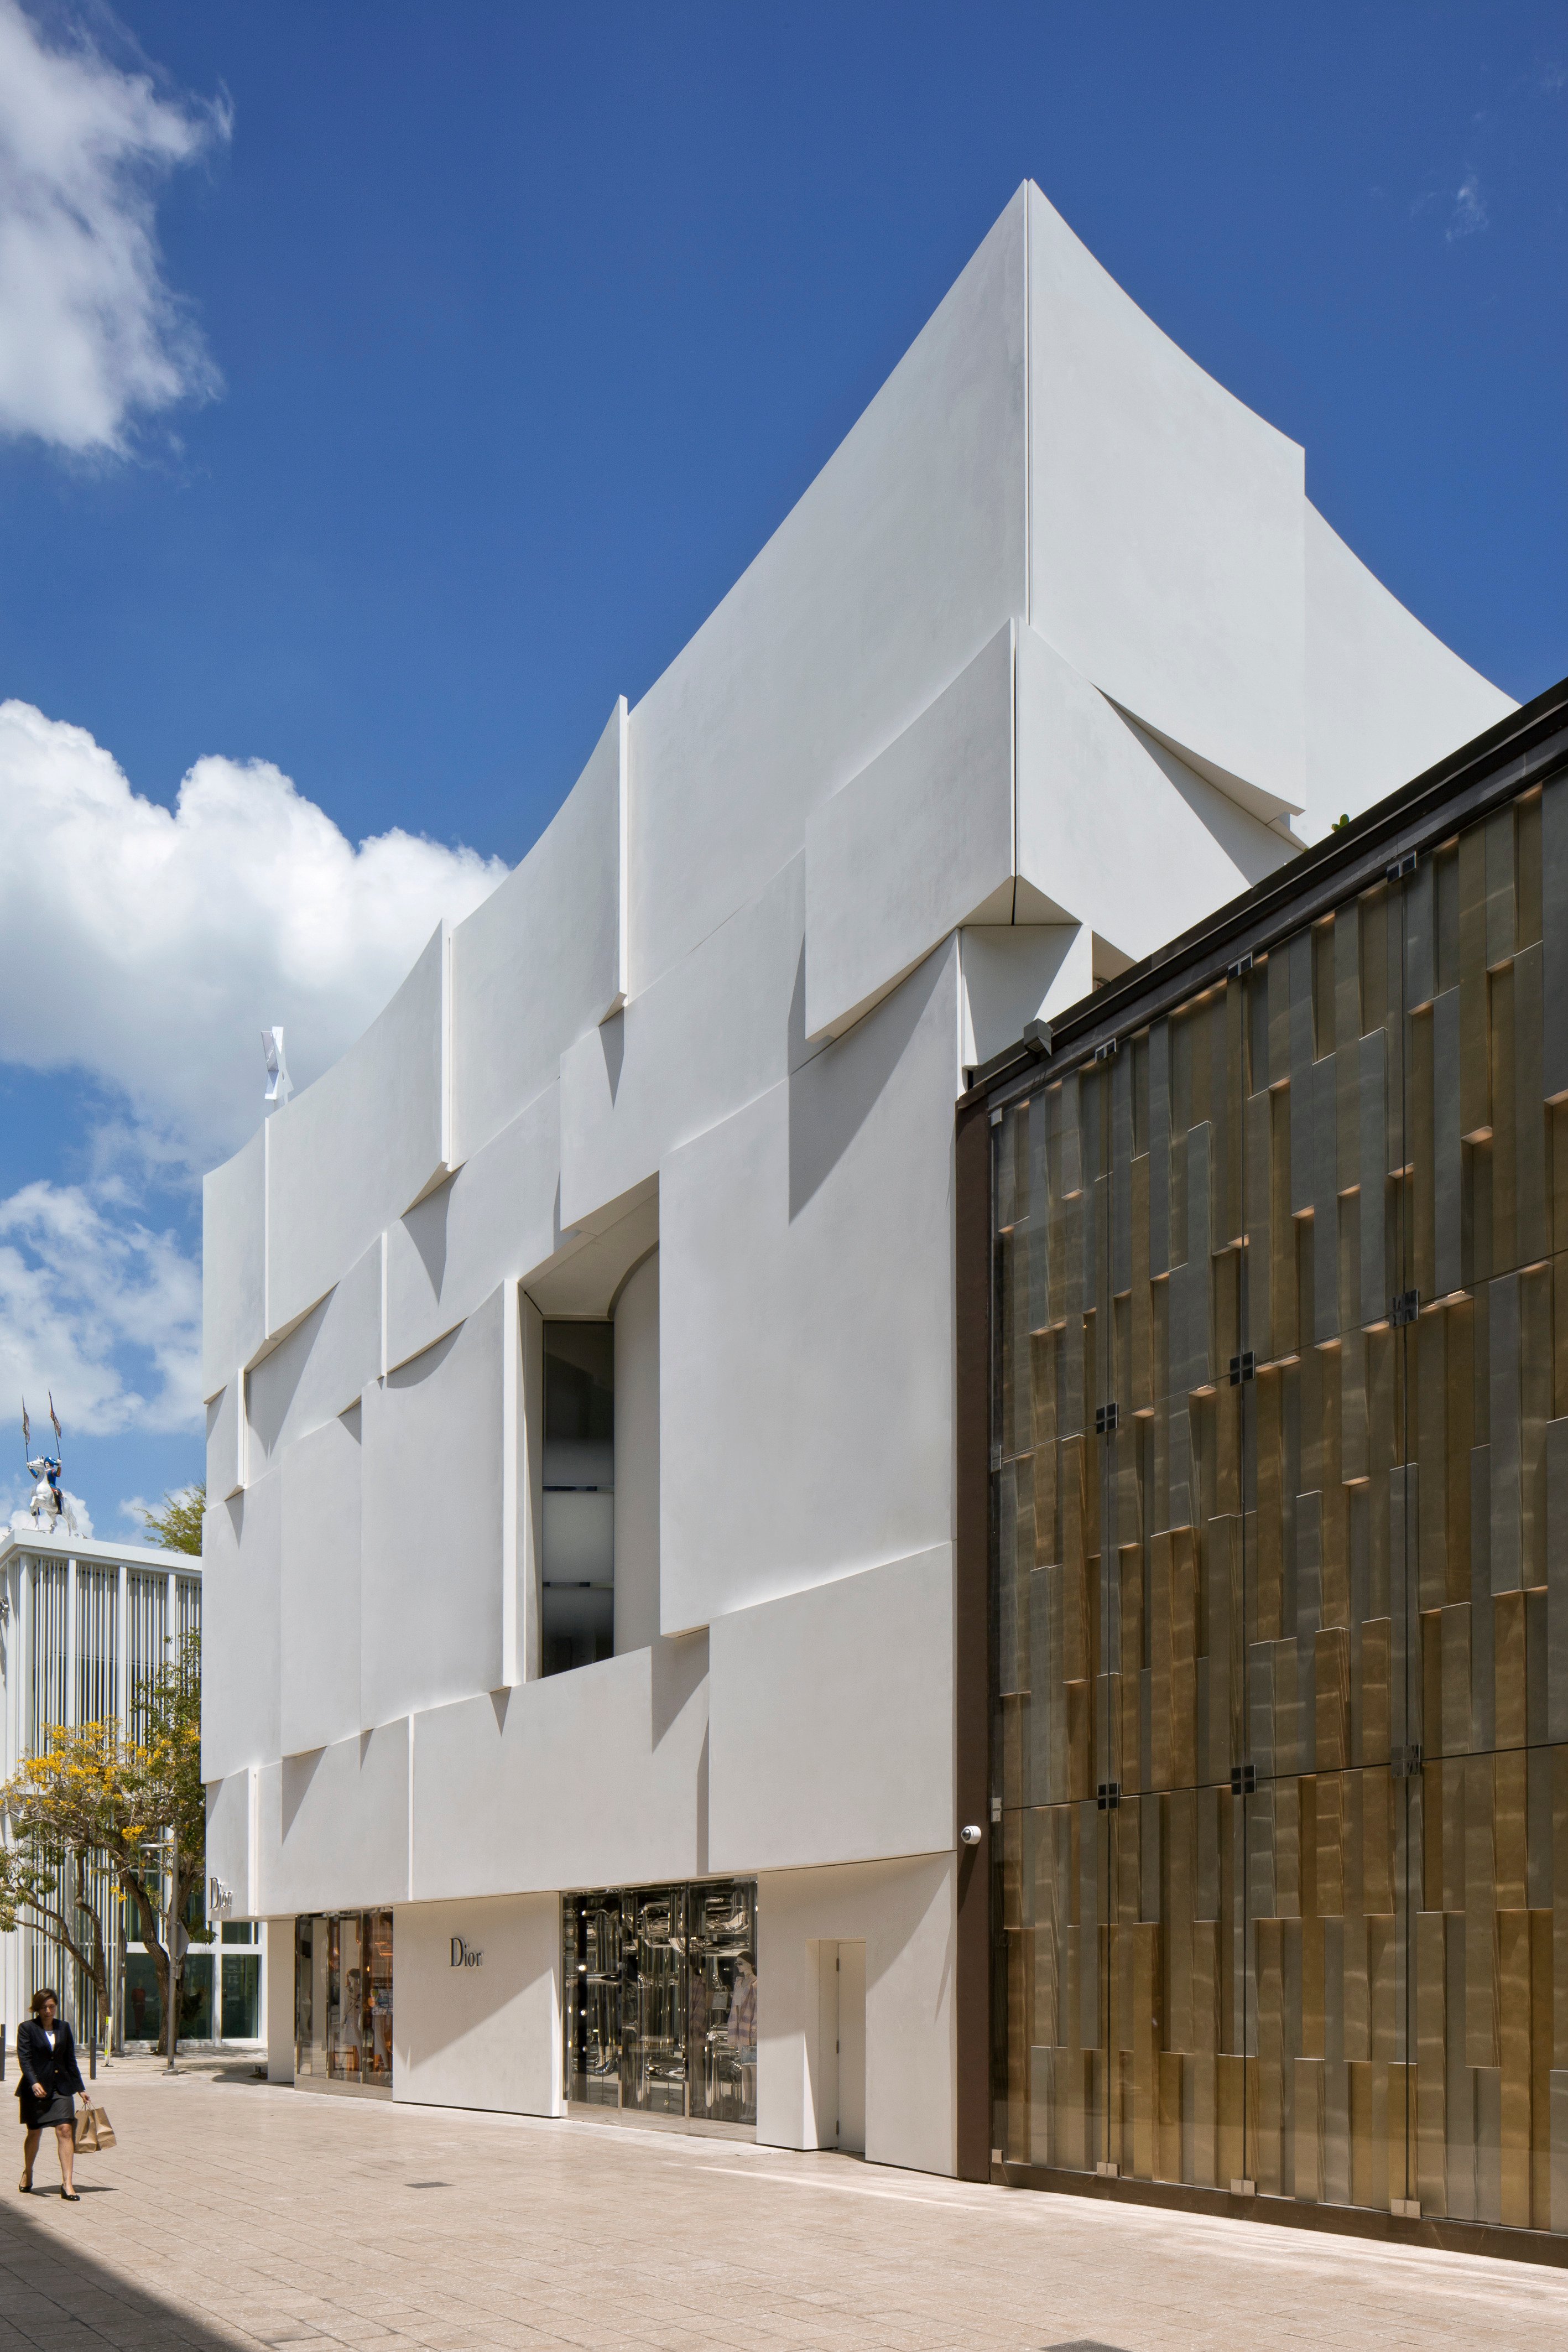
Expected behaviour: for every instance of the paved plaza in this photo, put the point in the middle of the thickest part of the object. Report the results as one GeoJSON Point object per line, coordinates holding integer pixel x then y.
{"type": "Point", "coordinates": [233, 2213]}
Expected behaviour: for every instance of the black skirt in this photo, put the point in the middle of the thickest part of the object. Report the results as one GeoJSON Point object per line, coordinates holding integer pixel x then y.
{"type": "Point", "coordinates": [58, 2109]}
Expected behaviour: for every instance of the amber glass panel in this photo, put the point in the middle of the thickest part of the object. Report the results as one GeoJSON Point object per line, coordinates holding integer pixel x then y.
{"type": "Point", "coordinates": [1279, 1729]}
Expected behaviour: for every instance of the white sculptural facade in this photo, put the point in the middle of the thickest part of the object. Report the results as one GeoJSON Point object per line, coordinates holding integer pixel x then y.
{"type": "Point", "coordinates": [1045, 665]}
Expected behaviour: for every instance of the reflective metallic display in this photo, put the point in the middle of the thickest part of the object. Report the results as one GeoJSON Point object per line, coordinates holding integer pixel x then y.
{"type": "Point", "coordinates": [1280, 1584]}
{"type": "Point", "coordinates": [343, 2000]}
{"type": "Point", "coordinates": [660, 2003]}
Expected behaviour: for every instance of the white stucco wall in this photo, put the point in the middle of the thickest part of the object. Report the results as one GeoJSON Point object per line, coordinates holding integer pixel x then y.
{"type": "Point", "coordinates": [483, 2032]}
{"type": "Point", "coordinates": [234, 1263]}
{"type": "Point", "coordinates": [830, 1718]}
{"type": "Point", "coordinates": [543, 960]}
{"type": "Point", "coordinates": [352, 1151]}
{"type": "Point", "coordinates": [1386, 698]}
{"type": "Point", "coordinates": [1166, 524]}
{"type": "Point", "coordinates": [432, 1603]}
{"type": "Point", "coordinates": [905, 1913]}
{"type": "Point", "coordinates": [805, 1318]}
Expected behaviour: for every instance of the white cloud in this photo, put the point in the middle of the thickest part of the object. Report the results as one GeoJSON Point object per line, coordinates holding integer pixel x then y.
{"type": "Point", "coordinates": [149, 947]}
{"type": "Point", "coordinates": [1469, 213]}
{"type": "Point", "coordinates": [90, 335]}
{"type": "Point", "coordinates": [100, 1308]}
{"type": "Point", "coordinates": [142, 951]}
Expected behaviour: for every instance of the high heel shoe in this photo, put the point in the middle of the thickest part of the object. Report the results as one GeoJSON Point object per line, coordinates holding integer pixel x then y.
{"type": "Point", "coordinates": [25, 2186]}
{"type": "Point", "coordinates": [70, 2195]}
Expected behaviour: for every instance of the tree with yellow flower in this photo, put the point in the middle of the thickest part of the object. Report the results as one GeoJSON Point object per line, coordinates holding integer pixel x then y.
{"type": "Point", "coordinates": [92, 1795]}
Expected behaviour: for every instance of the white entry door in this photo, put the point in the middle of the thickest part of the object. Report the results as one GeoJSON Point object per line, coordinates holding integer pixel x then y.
{"type": "Point", "coordinates": [840, 2047]}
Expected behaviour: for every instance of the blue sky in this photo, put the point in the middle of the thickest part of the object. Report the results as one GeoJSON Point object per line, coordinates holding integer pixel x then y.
{"type": "Point", "coordinates": [457, 360]}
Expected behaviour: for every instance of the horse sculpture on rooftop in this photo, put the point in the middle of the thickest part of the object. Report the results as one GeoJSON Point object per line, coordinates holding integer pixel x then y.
{"type": "Point", "coordinates": [49, 1505]}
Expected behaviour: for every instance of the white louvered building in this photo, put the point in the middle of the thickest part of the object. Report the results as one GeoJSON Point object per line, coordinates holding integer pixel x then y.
{"type": "Point", "coordinates": [82, 1626]}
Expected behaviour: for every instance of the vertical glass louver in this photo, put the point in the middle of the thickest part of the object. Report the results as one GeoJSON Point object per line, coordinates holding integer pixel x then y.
{"type": "Point", "coordinates": [1280, 1565]}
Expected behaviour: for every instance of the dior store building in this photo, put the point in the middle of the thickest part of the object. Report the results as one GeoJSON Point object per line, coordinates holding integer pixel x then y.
{"type": "Point", "coordinates": [591, 1689]}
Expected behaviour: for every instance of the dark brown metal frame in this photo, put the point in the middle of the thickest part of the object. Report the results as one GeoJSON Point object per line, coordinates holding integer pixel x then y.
{"type": "Point", "coordinates": [971, 1638]}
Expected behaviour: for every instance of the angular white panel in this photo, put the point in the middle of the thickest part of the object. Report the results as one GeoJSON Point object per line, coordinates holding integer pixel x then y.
{"type": "Point", "coordinates": [320, 1586]}
{"type": "Point", "coordinates": [496, 1218]}
{"type": "Point", "coordinates": [1385, 699]}
{"type": "Point", "coordinates": [350, 1153]}
{"type": "Point", "coordinates": [806, 1332]}
{"type": "Point", "coordinates": [333, 1826]}
{"type": "Point", "coordinates": [712, 1033]}
{"type": "Point", "coordinates": [325, 1365]}
{"type": "Point", "coordinates": [1013, 974]}
{"type": "Point", "coordinates": [902, 559]}
{"type": "Point", "coordinates": [595, 1257]}
{"type": "Point", "coordinates": [590, 1779]}
{"type": "Point", "coordinates": [226, 1432]}
{"type": "Point", "coordinates": [486, 2032]}
{"type": "Point", "coordinates": [241, 1548]}
{"type": "Point", "coordinates": [543, 959]}
{"type": "Point", "coordinates": [637, 1459]}
{"type": "Point", "coordinates": [228, 1852]}
{"type": "Point", "coordinates": [830, 1718]}
{"type": "Point", "coordinates": [234, 1263]}
{"type": "Point", "coordinates": [1114, 831]}
{"type": "Point", "coordinates": [1167, 524]}
{"type": "Point", "coordinates": [432, 1547]}
{"type": "Point", "coordinates": [919, 841]}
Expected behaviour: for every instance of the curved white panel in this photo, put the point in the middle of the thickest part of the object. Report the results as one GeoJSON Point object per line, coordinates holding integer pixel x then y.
{"type": "Point", "coordinates": [543, 960]}
{"type": "Point", "coordinates": [353, 1150]}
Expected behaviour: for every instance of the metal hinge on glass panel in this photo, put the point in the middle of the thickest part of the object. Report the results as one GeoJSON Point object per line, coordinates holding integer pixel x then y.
{"type": "Point", "coordinates": [1243, 1367]}
{"type": "Point", "coordinates": [1404, 1307]}
{"type": "Point", "coordinates": [1108, 1796]}
{"type": "Point", "coordinates": [1401, 865]}
{"type": "Point", "coordinates": [1243, 1779]}
{"type": "Point", "coordinates": [1104, 1420]}
{"type": "Point", "coordinates": [996, 1457]}
{"type": "Point", "coordinates": [996, 1809]}
{"type": "Point", "coordinates": [1107, 1051]}
{"type": "Point", "coordinates": [1243, 964]}
{"type": "Point", "coordinates": [1405, 1763]}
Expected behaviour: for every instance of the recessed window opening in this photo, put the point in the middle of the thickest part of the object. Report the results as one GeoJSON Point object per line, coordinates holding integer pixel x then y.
{"type": "Point", "coordinates": [577, 1621]}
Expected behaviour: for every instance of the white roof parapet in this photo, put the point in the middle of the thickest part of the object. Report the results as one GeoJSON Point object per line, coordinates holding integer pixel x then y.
{"type": "Point", "coordinates": [33, 1540]}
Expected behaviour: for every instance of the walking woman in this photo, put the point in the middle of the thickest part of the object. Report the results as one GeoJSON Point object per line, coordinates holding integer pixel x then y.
{"type": "Point", "coordinates": [47, 2053]}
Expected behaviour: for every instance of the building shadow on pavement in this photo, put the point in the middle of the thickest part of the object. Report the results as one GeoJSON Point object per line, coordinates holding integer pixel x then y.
{"type": "Point", "coordinates": [54, 2292]}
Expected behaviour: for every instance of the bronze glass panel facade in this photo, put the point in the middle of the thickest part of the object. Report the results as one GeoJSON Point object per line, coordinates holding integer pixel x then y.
{"type": "Point", "coordinates": [1280, 1562]}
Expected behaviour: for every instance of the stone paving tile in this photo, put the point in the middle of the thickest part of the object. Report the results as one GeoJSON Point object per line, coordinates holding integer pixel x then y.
{"type": "Point", "coordinates": [234, 2215]}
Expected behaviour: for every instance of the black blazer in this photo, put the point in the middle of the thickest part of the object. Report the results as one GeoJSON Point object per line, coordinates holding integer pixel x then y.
{"type": "Point", "coordinates": [45, 2071]}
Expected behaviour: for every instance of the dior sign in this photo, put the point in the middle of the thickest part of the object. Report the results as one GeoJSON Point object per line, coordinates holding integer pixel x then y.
{"type": "Point", "coordinates": [465, 1956]}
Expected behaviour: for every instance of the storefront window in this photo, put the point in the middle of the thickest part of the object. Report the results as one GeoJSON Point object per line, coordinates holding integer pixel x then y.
{"type": "Point", "coordinates": [143, 2010]}
{"type": "Point", "coordinates": [661, 2004]}
{"type": "Point", "coordinates": [197, 1998]}
{"type": "Point", "coordinates": [242, 1996]}
{"type": "Point", "coordinates": [343, 2000]}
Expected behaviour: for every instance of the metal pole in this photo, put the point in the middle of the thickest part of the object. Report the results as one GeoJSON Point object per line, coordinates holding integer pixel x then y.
{"type": "Point", "coordinates": [174, 1965]}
